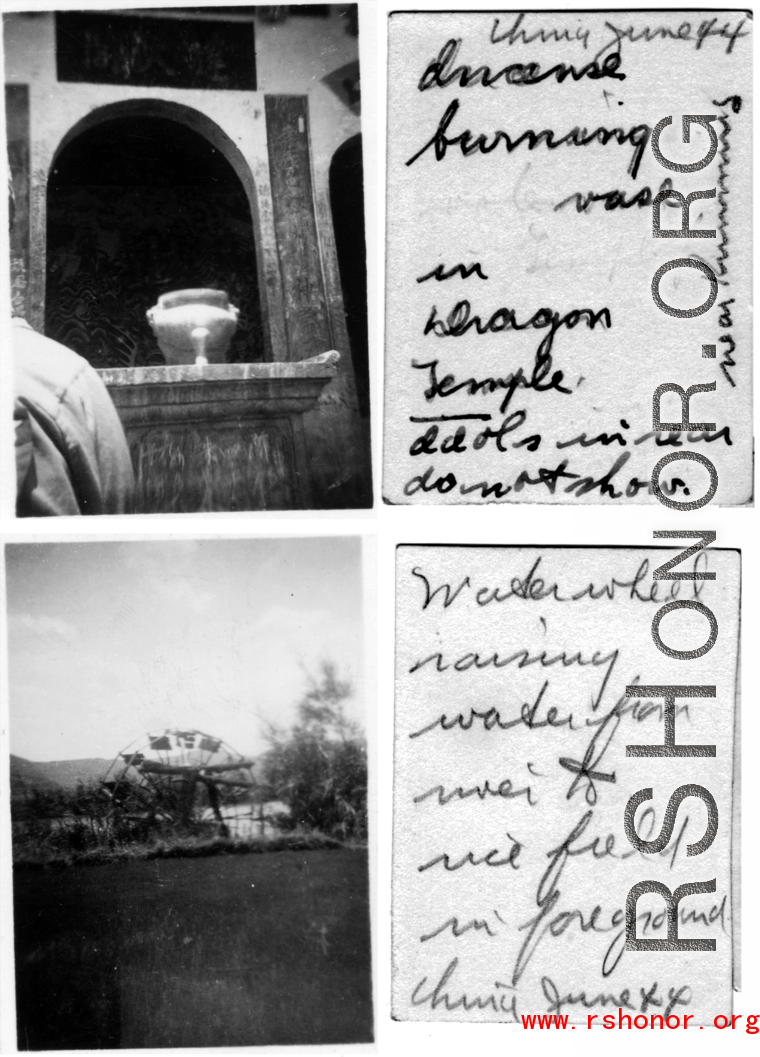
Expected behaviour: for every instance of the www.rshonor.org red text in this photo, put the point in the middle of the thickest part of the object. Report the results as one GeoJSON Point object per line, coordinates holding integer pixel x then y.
{"type": "Point", "coordinates": [642, 1022]}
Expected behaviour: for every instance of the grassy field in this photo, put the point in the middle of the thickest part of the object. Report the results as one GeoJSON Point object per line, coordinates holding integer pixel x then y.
{"type": "Point", "coordinates": [223, 951]}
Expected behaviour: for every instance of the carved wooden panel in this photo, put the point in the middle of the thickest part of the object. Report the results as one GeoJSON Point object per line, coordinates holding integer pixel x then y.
{"type": "Point", "coordinates": [103, 48]}
{"type": "Point", "coordinates": [17, 126]}
{"type": "Point", "coordinates": [245, 466]}
{"type": "Point", "coordinates": [306, 315]}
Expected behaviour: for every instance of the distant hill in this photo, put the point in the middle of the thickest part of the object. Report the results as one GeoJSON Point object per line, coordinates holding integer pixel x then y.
{"type": "Point", "coordinates": [66, 774]}
{"type": "Point", "coordinates": [56, 774]}
{"type": "Point", "coordinates": [25, 774]}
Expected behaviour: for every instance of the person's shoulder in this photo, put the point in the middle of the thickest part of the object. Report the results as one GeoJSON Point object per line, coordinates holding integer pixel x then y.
{"type": "Point", "coordinates": [40, 361]}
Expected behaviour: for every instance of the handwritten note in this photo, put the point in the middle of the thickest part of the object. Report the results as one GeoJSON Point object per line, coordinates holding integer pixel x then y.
{"type": "Point", "coordinates": [511, 861]}
{"type": "Point", "coordinates": [523, 341]}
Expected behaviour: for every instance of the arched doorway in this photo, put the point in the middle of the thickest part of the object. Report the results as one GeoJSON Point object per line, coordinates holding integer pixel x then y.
{"type": "Point", "coordinates": [347, 206]}
{"type": "Point", "coordinates": [140, 204]}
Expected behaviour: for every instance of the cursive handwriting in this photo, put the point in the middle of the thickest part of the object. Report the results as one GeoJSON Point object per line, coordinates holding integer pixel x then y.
{"type": "Point", "coordinates": [587, 768]}
{"type": "Point", "coordinates": [439, 72]}
{"type": "Point", "coordinates": [538, 381]}
{"type": "Point", "coordinates": [440, 274]}
{"type": "Point", "coordinates": [517, 33]}
{"type": "Point", "coordinates": [523, 658]}
{"type": "Point", "coordinates": [489, 859]}
{"type": "Point", "coordinates": [458, 930]}
{"type": "Point", "coordinates": [499, 1000]}
{"type": "Point", "coordinates": [685, 31]}
{"type": "Point", "coordinates": [616, 199]}
{"type": "Point", "coordinates": [548, 476]}
{"type": "Point", "coordinates": [460, 320]}
{"type": "Point", "coordinates": [504, 790]}
{"type": "Point", "coordinates": [637, 136]}
{"type": "Point", "coordinates": [649, 997]}
{"type": "Point", "coordinates": [548, 895]}
{"type": "Point", "coordinates": [533, 587]}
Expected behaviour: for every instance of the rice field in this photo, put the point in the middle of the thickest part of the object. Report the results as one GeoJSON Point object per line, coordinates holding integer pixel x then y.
{"type": "Point", "coordinates": [239, 950]}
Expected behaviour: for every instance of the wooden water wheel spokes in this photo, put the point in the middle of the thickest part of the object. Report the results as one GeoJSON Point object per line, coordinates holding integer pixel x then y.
{"type": "Point", "coordinates": [183, 780]}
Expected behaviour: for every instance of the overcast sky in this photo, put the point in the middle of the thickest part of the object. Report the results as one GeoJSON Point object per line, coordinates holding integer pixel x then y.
{"type": "Point", "coordinates": [110, 641]}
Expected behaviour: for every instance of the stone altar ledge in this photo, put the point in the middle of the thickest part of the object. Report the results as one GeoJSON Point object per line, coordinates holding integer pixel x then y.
{"type": "Point", "coordinates": [187, 392]}
{"type": "Point", "coordinates": [219, 437]}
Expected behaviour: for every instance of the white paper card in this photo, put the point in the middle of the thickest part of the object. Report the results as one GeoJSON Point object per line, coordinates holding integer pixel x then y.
{"type": "Point", "coordinates": [511, 860]}
{"type": "Point", "coordinates": [523, 340]}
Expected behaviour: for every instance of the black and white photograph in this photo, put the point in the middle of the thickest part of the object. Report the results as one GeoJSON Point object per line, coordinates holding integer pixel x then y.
{"type": "Point", "coordinates": [322, 727]}
{"type": "Point", "coordinates": [189, 792]}
{"type": "Point", "coordinates": [187, 259]}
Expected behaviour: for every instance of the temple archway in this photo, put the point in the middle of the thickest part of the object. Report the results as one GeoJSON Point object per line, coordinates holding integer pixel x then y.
{"type": "Point", "coordinates": [144, 198]}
